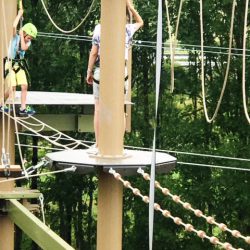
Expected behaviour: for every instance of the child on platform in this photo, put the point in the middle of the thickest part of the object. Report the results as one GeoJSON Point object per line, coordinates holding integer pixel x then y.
{"type": "Point", "coordinates": [16, 69]}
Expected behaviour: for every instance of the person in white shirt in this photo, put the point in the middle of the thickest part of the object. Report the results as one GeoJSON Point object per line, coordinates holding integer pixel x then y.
{"type": "Point", "coordinates": [93, 72]}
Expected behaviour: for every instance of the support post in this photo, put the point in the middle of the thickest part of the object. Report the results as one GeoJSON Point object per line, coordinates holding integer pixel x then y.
{"type": "Point", "coordinates": [9, 8]}
{"type": "Point", "coordinates": [111, 129]}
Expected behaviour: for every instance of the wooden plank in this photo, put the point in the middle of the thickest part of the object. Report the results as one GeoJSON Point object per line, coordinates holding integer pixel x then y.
{"type": "Point", "coordinates": [15, 171]}
{"type": "Point", "coordinates": [20, 194]}
{"type": "Point", "coordinates": [34, 228]}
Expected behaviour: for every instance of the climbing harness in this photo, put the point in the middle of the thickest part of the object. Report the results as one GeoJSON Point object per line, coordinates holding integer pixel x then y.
{"type": "Point", "coordinates": [16, 66]}
{"type": "Point", "coordinates": [98, 82]}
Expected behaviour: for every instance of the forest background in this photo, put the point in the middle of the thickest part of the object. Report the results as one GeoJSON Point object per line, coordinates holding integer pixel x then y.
{"type": "Point", "coordinates": [59, 64]}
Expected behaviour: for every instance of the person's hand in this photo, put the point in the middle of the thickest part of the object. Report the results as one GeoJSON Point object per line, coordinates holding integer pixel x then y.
{"type": "Point", "coordinates": [20, 12]}
{"type": "Point", "coordinates": [21, 33]}
{"type": "Point", "coordinates": [89, 78]}
{"type": "Point", "coordinates": [129, 4]}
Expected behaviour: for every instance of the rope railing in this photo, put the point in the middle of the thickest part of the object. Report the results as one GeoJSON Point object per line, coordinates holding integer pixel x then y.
{"type": "Point", "coordinates": [166, 213]}
{"type": "Point", "coordinates": [52, 139]}
{"type": "Point", "coordinates": [197, 212]}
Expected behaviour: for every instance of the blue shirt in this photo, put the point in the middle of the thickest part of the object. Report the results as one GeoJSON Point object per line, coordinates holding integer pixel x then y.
{"type": "Point", "coordinates": [15, 48]}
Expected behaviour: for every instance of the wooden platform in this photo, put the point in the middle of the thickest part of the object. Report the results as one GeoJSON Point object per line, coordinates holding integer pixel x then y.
{"type": "Point", "coordinates": [55, 98]}
{"type": "Point", "coordinates": [15, 171]}
{"type": "Point", "coordinates": [127, 165]}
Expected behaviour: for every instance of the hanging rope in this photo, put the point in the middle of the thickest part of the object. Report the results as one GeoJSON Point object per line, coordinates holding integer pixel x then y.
{"type": "Point", "coordinates": [209, 120]}
{"type": "Point", "coordinates": [197, 212]}
{"type": "Point", "coordinates": [158, 78]}
{"type": "Point", "coordinates": [173, 39]}
{"type": "Point", "coordinates": [244, 65]}
{"type": "Point", "coordinates": [68, 31]}
{"type": "Point", "coordinates": [178, 221]}
{"type": "Point", "coordinates": [5, 159]}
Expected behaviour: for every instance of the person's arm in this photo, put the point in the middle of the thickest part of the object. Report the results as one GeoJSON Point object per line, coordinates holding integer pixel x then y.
{"type": "Point", "coordinates": [24, 46]}
{"type": "Point", "coordinates": [137, 17]}
{"type": "Point", "coordinates": [92, 59]}
{"type": "Point", "coordinates": [16, 21]}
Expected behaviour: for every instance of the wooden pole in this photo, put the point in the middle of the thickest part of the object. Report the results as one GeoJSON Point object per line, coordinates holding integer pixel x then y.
{"type": "Point", "coordinates": [6, 225]}
{"type": "Point", "coordinates": [111, 129]}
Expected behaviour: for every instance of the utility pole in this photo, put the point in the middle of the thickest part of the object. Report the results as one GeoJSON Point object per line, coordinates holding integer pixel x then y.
{"type": "Point", "coordinates": [111, 129]}
{"type": "Point", "coordinates": [8, 10]}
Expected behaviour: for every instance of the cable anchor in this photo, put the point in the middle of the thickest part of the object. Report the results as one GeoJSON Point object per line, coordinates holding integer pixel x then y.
{"type": "Point", "coordinates": [5, 160]}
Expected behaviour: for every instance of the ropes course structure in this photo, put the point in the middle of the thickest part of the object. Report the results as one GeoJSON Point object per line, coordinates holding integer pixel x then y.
{"type": "Point", "coordinates": [5, 155]}
{"type": "Point", "coordinates": [36, 127]}
{"type": "Point", "coordinates": [152, 44]}
{"type": "Point", "coordinates": [244, 65]}
{"type": "Point", "coordinates": [178, 221]}
{"type": "Point", "coordinates": [197, 212]}
{"type": "Point", "coordinates": [209, 120]}
{"type": "Point", "coordinates": [74, 29]}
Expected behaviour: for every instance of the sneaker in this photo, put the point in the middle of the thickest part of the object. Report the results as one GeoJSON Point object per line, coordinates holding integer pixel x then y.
{"type": "Point", "coordinates": [27, 111]}
{"type": "Point", "coordinates": [5, 109]}
{"type": "Point", "coordinates": [93, 150]}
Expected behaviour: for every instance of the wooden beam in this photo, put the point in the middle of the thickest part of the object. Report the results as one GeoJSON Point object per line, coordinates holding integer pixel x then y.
{"type": "Point", "coordinates": [15, 171]}
{"type": "Point", "coordinates": [65, 122]}
{"type": "Point", "coordinates": [111, 121]}
{"type": "Point", "coordinates": [34, 228]}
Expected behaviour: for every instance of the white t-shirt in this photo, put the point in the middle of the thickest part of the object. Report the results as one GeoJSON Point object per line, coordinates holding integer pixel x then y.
{"type": "Point", "coordinates": [130, 30]}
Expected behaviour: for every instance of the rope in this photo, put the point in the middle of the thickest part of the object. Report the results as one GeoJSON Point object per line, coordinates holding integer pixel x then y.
{"type": "Point", "coordinates": [138, 43]}
{"type": "Point", "coordinates": [178, 221]}
{"type": "Point", "coordinates": [192, 154]}
{"type": "Point", "coordinates": [68, 31]}
{"type": "Point", "coordinates": [153, 162]}
{"type": "Point", "coordinates": [209, 120]}
{"type": "Point", "coordinates": [39, 147]}
{"type": "Point", "coordinates": [71, 169]}
{"type": "Point", "coordinates": [2, 87]}
{"type": "Point", "coordinates": [170, 41]}
{"type": "Point", "coordinates": [173, 40]}
{"type": "Point", "coordinates": [3, 115]}
{"type": "Point", "coordinates": [24, 123]}
{"type": "Point", "coordinates": [214, 166]}
{"type": "Point", "coordinates": [65, 136]}
{"type": "Point", "coordinates": [141, 42]}
{"type": "Point", "coordinates": [244, 65]}
{"type": "Point", "coordinates": [197, 212]}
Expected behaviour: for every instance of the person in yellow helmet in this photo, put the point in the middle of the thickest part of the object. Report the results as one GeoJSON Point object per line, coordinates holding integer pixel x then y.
{"type": "Point", "coordinates": [16, 70]}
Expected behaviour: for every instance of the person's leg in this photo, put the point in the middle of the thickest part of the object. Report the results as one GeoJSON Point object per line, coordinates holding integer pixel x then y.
{"type": "Point", "coordinates": [22, 81]}
{"type": "Point", "coordinates": [24, 89]}
{"type": "Point", "coordinates": [96, 120]}
{"type": "Point", "coordinates": [9, 84]}
{"type": "Point", "coordinates": [96, 96]}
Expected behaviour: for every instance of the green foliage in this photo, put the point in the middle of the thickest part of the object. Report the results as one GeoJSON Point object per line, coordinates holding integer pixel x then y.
{"type": "Point", "coordinates": [60, 65]}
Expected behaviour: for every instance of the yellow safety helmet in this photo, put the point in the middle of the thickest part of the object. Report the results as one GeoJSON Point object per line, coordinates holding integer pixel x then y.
{"type": "Point", "coordinates": [30, 29]}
